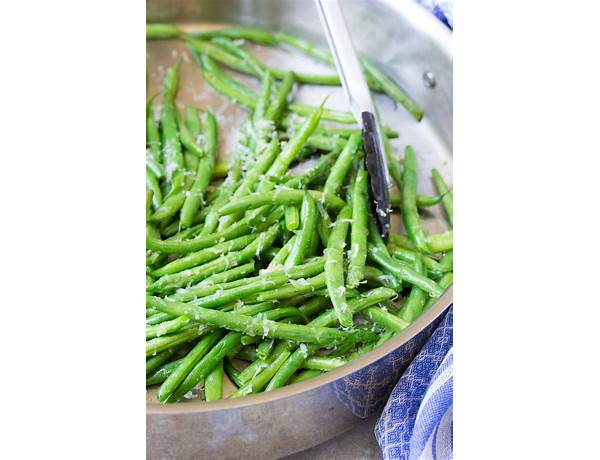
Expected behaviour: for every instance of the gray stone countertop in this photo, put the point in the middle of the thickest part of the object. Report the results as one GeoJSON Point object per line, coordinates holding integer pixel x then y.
{"type": "Point", "coordinates": [357, 444]}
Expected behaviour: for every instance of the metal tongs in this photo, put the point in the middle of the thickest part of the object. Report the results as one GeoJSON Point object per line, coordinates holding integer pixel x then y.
{"type": "Point", "coordinates": [361, 105]}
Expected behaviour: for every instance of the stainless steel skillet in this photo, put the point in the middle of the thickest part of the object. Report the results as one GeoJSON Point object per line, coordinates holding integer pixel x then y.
{"type": "Point", "coordinates": [416, 51]}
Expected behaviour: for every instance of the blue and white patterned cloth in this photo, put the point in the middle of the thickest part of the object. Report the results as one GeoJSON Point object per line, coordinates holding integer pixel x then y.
{"type": "Point", "coordinates": [442, 9]}
{"type": "Point", "coordinates": [416, 422]}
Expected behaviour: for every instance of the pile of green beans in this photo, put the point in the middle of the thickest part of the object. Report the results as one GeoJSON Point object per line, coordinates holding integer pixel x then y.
{"type": "Point", "coordinates": [257, 277]}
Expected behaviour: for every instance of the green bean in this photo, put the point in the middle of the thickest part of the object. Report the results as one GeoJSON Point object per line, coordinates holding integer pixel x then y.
{"type": "Point", "coordinates": [149, 196]}
{"type": "Point", "coordinates": [313, 51]}
{"type": "Point", "coordinates": [227, 276]}
{"type": "Point", "coordinates": [173, 156]}
{"type": "Point", "coordinates": [154, 259]}
{"type": "Point", "coordinates": [413, 306]}
{"type": "Point", "coordinates": [247, 353]}
{"type": "Point", "coordinates": [269, 254]}
{"type": "Point", "coordinates": [343, 348]}
{"type": "Point", "coordinates": [355, 305]}
{"type": "Point", "coordinates": [162, 31]}
{"type": "Point", "coordinates": [154, 144]}
{"type": "Point", "coordinates": [246, 97]}
{"type": "Point", "coordinates": [229, 260]}
{"type": "Point", "coordinates": [447, 260]}
{"type": "Point", "coordinates": [406, 255]}
{"type": "Point", "coordinates": [423, 201]}
{"type": "Point", "coordinates": [220, 298]}
{"type": "Point", "coordinates": [313, 246]}
{"type": "Point", "coordinates": [365, 348]}
{"type": "Point", "coordinates": [323, 363]}
{"type": "Point", "coordinates": [213, 384]}
{"type": "Point", "coordinates": [291, 365]}
{"type": "Point", "coordinates": [314, 305]}
{"type": "Point", "coordinates": [233, 373]}
{"type": "Point", "coordinates": [244, 33]}
{"type": "Point", "coordinates": [207, 287]}
{"type": "Point", "coordinates": [171, 204]}
{"type": "Point", "coordinates": [264, 348]}
{"type": "Point", "coordinates": [299, 356]}
{"type": "Point", "coordinates": [161, 374]}
{"type": "Point", "coordinates": [327, 143]}
{"type": "Point", "coordinates": [426, 201]}
{"type": "Point", "coordinates": [170, 134]}
{"type": "Point", "coordinates": [334, 267]}
{"type": "Point", "coordinates": [255, 309]}
{"type": "Point", "coordinates": [205, 255]}
{"type": "Point", "coordinates": [193, 199]}
{"type": "Point", "coordinates": [279, 104]}
{"type": "Point", "coordinates": [281, 196]}
{"type": "Point", "coordinates": [247, 324]}
{"type": "Point", "coordinates": [402, 271]}
{"type": "Point", "coordinates": [254, 67]}
{"type": "Point", "coordinates": [172, 232]}
{"type": "Point", "coordinates": [291, 149]}
{"type": "Point", "coordinates": [292, 218]}
{"type": "Point", "coordinates": [157, 318]}
{"type": "Point", "coordinates": [264, 161]}
{"type": "Point", "coordinates": [342, 165]}
{"type": "Point", "coordinates": [326, 319]}
{"type": "Point", "coordinates": [305, 375]}
{"type": "Point", "coordinates": [304, 236]}
{"type": "Point", "coordinates": [328, 114]}
{"type": "Point", "coordinates": [190, 163]}
{"type": "Point", "coordinates": [299, 287]}
{"type": "Point", "coordinates": [215, 78]}
{"type": "Point", "coordinates": [250, 63]}
{"type": "Point", "coordinates": [161, 358]}
{"type": "Point", "coordinates": [227, 189]}
{"type": "Point", "coordinates": [358, 235]}
{"type": "Point", "coordinates": [260, 380]}
{"type": "Point", "coordinates": [410, 215]}
{"type": "Point", "coordinates": [324, 224]}
{"type": "Point", "coordinates": [444, 284]}
{"type": "Point", "coordinates": [289, 314]}
{"type": "Point", "coordinates": [262, 105]}
{"type": "Point", "coordinates": [392, 163]}
{"type": "Point", "coordinates": [188, 363]}
{"type": "Point", "coordinates": [385, 319]}
{"type": "Point", "coordinates": [348, 186]}
{"type": "Point", "coordinates": [443, 190]}
{"type": "Point", "coordinates": [166, 327]}
{"type": "Point", "coordinates": [390, 88]}
{"type": "Point", "coordinates": [393, 281]}
{"type": "Point", "coordinates": [291, 123]}
{"type": "Point", "coordinates": [243, 227]}
{"type": "Point", "coordinates": [203, 367]}
{"type": "Point", "coordinates": [319, 170]}
{"type": "Point", "coordinates": [255, 368]}
{"type": "Point", "coordinates": [441, 242]}
{"type": "Point", "coordinates": [397, 239]}
{"type": "Point", "coordinates": [159, 344]}
{"type": "Point", "coordinates": [280, 258]}
{"type": "Point", "coordinates": [153, 186]}
{"type": "Point", "coordinates": [187, 137]}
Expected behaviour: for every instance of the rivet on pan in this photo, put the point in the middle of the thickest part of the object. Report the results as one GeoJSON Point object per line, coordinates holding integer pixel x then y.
{"type": "Point", "coordinates": [429, 79]}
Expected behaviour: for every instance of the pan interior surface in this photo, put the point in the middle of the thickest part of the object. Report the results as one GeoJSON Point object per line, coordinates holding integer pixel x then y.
{"type": "Point", "coordinates": [431, 138]}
